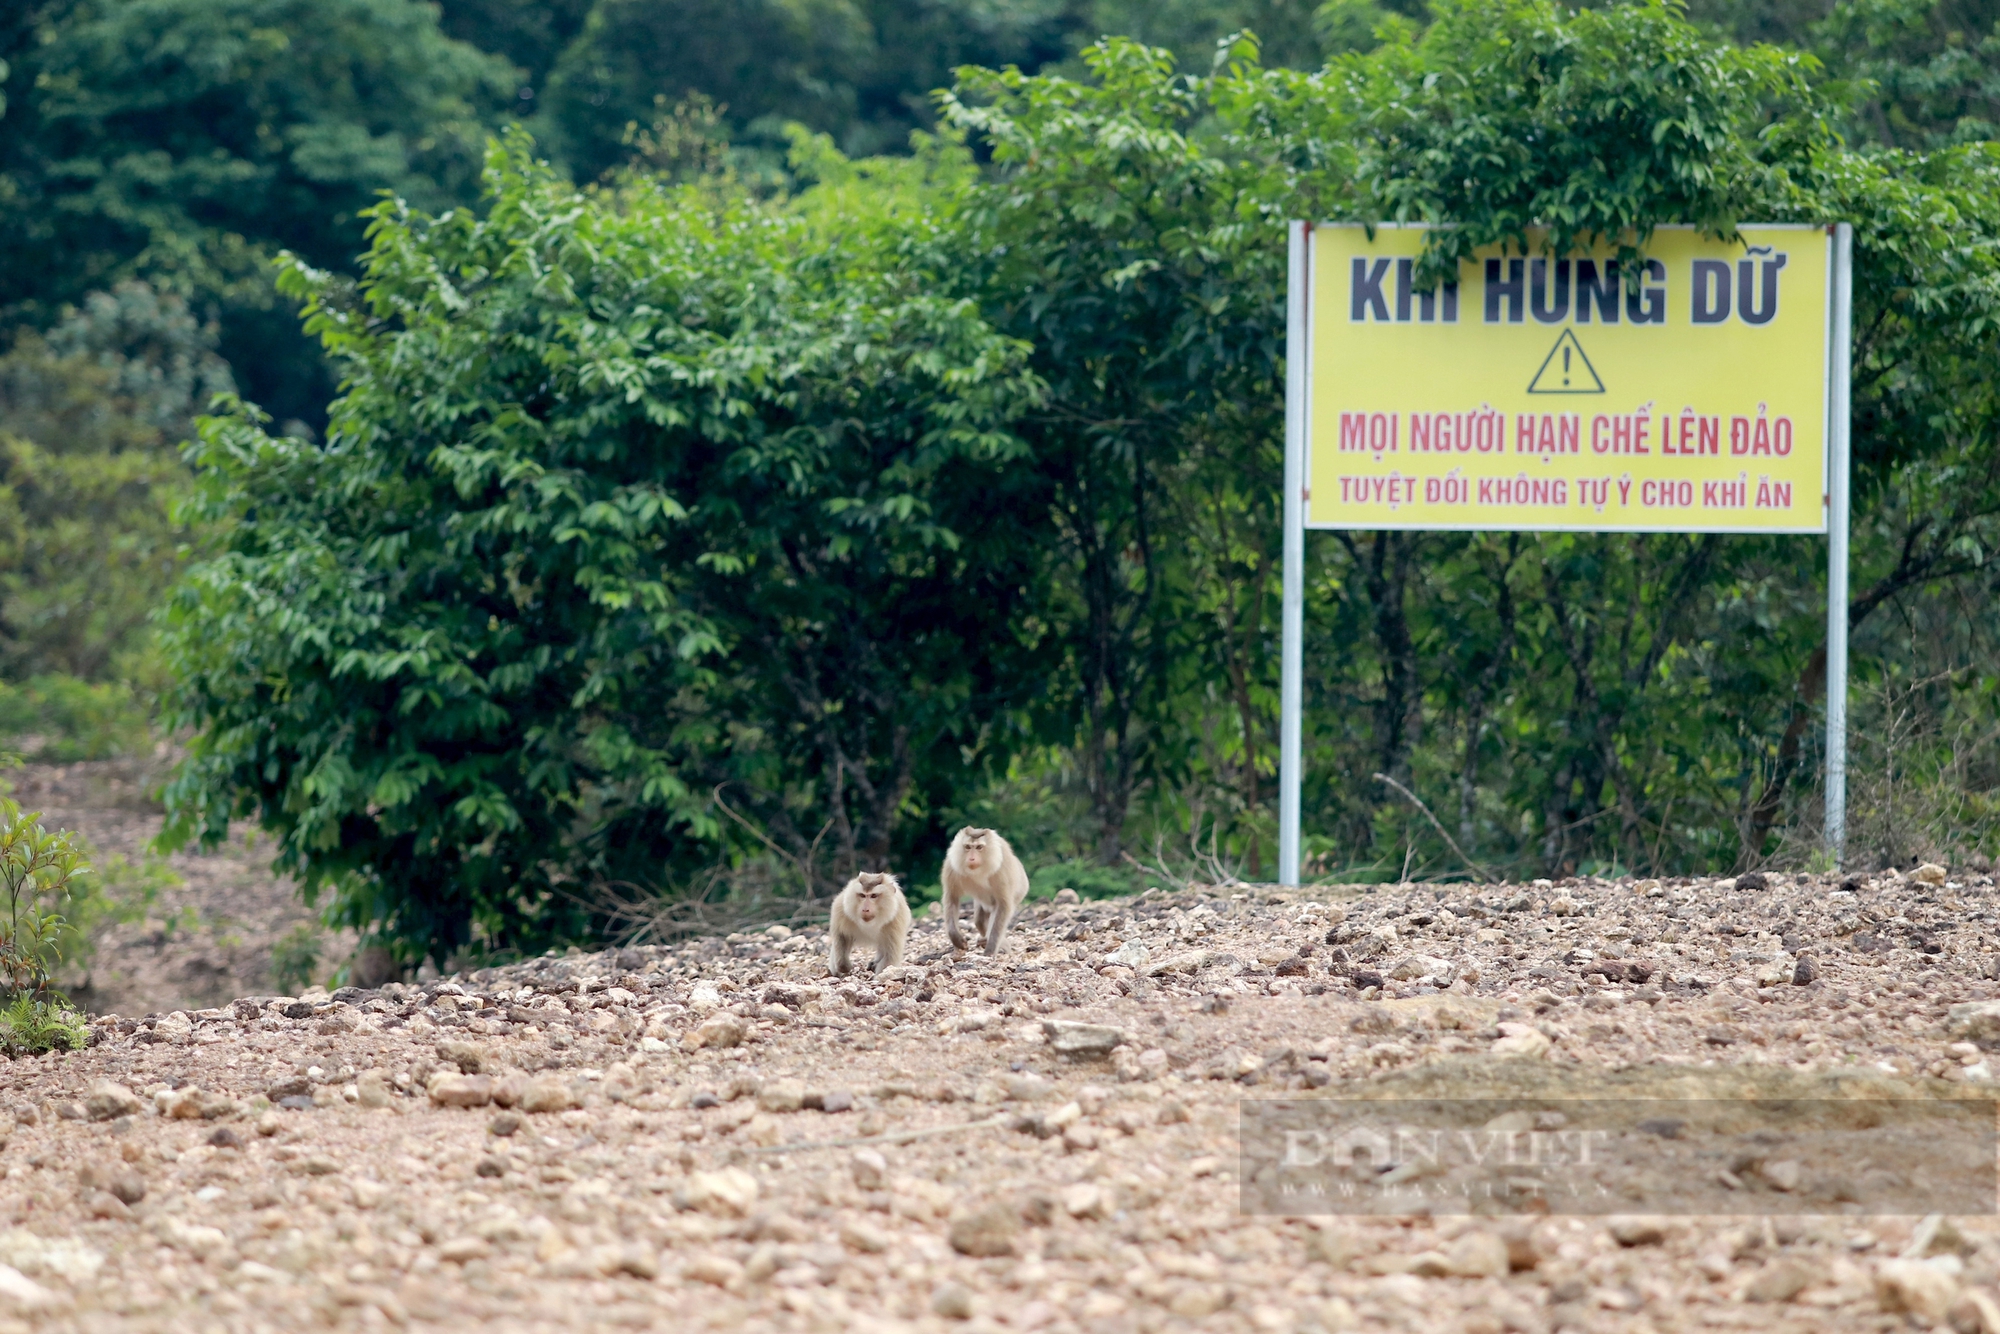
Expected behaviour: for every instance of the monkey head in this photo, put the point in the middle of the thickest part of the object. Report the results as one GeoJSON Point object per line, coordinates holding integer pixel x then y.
{"type": "Point", "coordinates": [974, 843]}
{"type": "Point", "coordinates": [868, 889]}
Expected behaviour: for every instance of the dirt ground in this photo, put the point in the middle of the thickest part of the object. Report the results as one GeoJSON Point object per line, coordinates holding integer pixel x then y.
{"type": "Point", "coordinates": [721, 1136]}
{"type": "Point", "coordinates": [200, 942]}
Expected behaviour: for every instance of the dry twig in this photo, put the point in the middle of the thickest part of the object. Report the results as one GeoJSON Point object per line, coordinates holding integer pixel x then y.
{"type": "Point", "coordinates": [1484, 873]}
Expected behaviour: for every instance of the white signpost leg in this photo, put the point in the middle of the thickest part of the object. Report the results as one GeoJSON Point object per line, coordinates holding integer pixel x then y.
{"type": "Point", "coordinates": [1836, 546]}
{"type": "Point", "coordinates": [1291, 694]}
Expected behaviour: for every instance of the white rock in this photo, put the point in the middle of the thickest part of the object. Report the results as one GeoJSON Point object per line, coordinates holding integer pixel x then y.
{"type": "Point", "coordinates": [870, 1169]}
{"type": "Point", "coordinates": [729, 1192]}
{"type": "Point", "coordinates": [1192, 961]}
{"type": "Point", "coordinates": [1520, 1040]}
{"type": "Point", "coordinates": [1132, 954]}
{"type": "Point", "coordinates": [23, 1293]}
{"type": "Point", "coordinates": [973, 1020]}
{"type": "Point", "coordinates": [1406, 969]}
{"type": "Point", "coordinates": [60, 1257]}
{"type": "Point", "coordinates": [1477, 1255]}
{"type": "Point", "coordinates": [1974, 1021]}
{"type": "Point", "coordinates": [1081, 1041]}
{"type": "Point", "coordinates": [1085, 1199]}
{"type": "Point", "coordinates": [1785, 1174]}
{"type": "Point", "coordinates": [204, 1243]}
{"type": "Point", "coordinates": [1920, 1287]}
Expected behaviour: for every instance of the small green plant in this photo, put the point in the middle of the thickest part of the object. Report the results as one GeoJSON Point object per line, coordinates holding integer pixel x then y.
{"type": "Point", "coordinates": [31, 1025]}
{"type": "Point", "coordinates": [39, 872]}
{"type": "Point", "coordinates": [295, 958]}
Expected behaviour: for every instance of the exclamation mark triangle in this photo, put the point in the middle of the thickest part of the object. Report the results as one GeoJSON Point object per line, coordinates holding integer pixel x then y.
{"type": "Point", "coordinates": [1566, 370]}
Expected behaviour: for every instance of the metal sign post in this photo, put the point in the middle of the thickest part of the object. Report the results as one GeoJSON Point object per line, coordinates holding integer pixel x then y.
{"type": "Point", "coordinates": [1706, 392]}
{"type": "Point", "coordinates": [1292, 670]}
{"type": "Point", "coordinates": [1839, 409]}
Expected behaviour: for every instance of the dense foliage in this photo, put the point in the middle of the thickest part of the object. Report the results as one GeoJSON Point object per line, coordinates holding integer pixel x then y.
{"type": "Point", "coordinates": [628, 503]}
{"type": "Point", "coordinates": [678, 522]}
{"type": "Point", "coordinates": [681, 497]}
{"type": "Point", "coordinates": [188, 142]}
{"type": "Point", "coordinates": [92, 419]}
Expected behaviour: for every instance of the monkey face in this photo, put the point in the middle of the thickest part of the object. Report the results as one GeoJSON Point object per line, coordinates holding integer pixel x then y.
{"type": "Point", "coordinates": [975, 848]}
{"type": "Point", "coordinates": [868, 891]}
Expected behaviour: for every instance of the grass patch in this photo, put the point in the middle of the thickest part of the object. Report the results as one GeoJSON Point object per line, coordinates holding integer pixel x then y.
{"type": "Point", "coordinates": [61, 719]}
{"type": "Point", "coordinates": [1091, 880]}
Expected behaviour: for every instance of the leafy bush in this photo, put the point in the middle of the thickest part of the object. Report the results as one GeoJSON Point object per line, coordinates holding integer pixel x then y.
{"type": "Point", "coordinates": [662, 527]}
{"type": "Point", "coordinates": [630, 499]}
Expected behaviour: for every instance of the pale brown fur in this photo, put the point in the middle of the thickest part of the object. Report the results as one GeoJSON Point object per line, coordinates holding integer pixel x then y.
{"type": "Point", "coordinates": [871, 910]}
{"type": "Point", "coordinates": [981, 867]}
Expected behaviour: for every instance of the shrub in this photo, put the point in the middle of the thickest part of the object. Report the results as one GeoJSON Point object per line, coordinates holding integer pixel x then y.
{"type": "Point", "coordinates": [653, 495]}
{"type": "Point", "coordinates": [31, 1025]}
{"type": "Point", "coordinates": [39, 872]}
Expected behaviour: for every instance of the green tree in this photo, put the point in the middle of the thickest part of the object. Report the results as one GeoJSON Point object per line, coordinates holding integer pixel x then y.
{"type": "Point", "coordinates": [1289, 32]}
{"type": "Point", "coordinates": [766, 62]}
{"type": "Point", "coordinates": [92, 419]}
{"type": "Point", "coordinates": [1109, 239]}
{"type": "Point", "coordinates": [917, 48]}
{"type": "Point", "coordinates": [1926, 72]}
{"type": "Point", "coordinates": [186, 141]}
{"type": "Point", "coordinates": [529, 33]}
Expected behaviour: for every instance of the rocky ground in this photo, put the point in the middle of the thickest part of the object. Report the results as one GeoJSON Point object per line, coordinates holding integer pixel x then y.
{"type": "Point", "coordinates": [721, 1136]}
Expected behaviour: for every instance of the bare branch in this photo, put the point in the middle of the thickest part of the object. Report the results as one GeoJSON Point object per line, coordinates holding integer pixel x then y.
{"type": "Point", "coordinates": [1484, 872]}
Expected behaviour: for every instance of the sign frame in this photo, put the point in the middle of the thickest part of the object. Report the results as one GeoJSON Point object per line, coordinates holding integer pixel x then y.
{"type": "Point", "coordinates": [1384, 345]}
{"type": "Point", "coordinates": [1296, 498]}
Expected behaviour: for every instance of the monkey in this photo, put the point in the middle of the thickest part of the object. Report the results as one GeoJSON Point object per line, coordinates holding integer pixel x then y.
{"type": "Point", "coordinates": [870, 910]}
{"type": "Point", "coordinates": [981, 867]}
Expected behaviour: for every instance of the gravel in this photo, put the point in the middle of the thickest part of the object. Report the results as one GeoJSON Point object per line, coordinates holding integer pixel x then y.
{"type": "Point", "coordinates": [719, 1135]}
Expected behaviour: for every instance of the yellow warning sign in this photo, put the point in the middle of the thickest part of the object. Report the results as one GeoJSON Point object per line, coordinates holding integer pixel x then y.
{"type": "Point", "coordinates": [1551, 392]}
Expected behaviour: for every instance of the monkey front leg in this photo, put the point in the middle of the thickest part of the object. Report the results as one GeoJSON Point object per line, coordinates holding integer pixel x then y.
{"type": "Point", "coordinates": [841, 944]}
{"type": "Point", "coordinates": [952, 930]}
{"type": "Point", "coordinates": [889, 950]}
{"type": "Point", "coordinates": [996, 926]}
